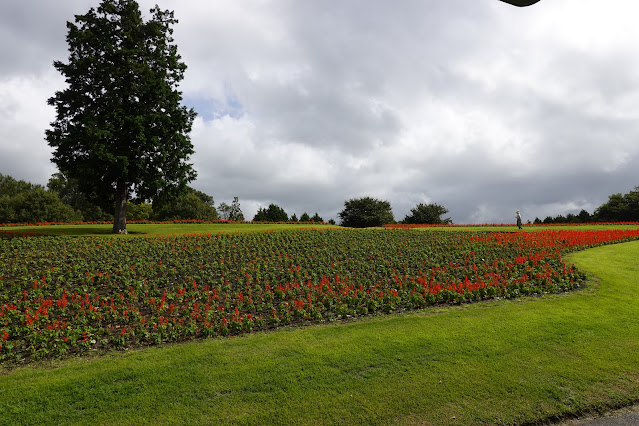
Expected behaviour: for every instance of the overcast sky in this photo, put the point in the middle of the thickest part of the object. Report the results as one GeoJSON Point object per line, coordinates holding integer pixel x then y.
{"type": "Point", "coordinates": [476, 105]}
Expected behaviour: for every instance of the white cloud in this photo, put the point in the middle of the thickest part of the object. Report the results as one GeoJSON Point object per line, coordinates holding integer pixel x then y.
{"type": "Point", "coordinates": [24, 114]}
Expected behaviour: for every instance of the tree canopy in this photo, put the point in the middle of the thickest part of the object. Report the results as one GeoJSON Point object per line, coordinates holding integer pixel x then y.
{"type": "Point", "coordinates": [23, 202]}
{"type": "Point", "coordinates": [305, 217]}
{"type": "Point", "coordinates": [273, 213]}
{"type": "Point", "coordinates": [428, 213]}
{"type": "Point", "coordinates": [620, 208]}
{"type": "Point", "coordinates": [366, 212]}
{"type": "Point", "coordinates": [193, 205]}
{"type": "Point", "coordinates": [68, 190]}
{"type": "Point", "coordinates": [235, 211]}
{"type": "Point", "coordinates": [120, 130]}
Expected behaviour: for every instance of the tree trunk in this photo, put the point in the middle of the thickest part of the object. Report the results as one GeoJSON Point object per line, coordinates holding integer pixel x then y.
{"type": "Point", "coordinates": [119, 219]}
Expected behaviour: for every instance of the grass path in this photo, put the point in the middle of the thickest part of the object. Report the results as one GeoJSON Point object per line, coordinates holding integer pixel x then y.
{"type": "Point", "coordinates": [500, 362]}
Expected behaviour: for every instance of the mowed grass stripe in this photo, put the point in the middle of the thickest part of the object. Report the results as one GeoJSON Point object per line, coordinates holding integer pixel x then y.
{"type": "Point", "coordinates": [501, 362]}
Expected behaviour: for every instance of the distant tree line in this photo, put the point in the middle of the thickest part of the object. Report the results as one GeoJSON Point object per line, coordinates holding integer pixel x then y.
{"type": "Point", "coordinates": [274, 213]}
{"type": "Point", "coordinates": [21, 201]}
{"type": "Point", "coordinates": [63, 201]}
{"type": "Point", "coordinates": [582, 217]}
{"type": "Point", "coordinates": [618, 208]}
{"type": "Point", "coordinates": [369, 212]}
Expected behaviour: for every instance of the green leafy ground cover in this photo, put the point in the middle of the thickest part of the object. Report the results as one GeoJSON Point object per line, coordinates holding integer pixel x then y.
{"type": "Point", "coordinates": [505, 361]}
{"type": "Point", "coordinates": [68, 295]}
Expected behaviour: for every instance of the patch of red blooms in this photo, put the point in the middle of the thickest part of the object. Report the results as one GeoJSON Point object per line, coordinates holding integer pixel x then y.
{"type": "Point", "coordinates": [67, 295]}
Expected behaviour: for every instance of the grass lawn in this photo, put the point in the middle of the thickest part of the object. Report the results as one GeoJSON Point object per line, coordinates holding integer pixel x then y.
{"type": "Point", "coordinates": [137, 229]}
{"type": "Point", "coordinates": [499, 362]}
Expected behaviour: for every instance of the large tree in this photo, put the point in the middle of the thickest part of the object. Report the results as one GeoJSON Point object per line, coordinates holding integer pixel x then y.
{"type": "Point", "coordinates": [366, 212]}
{"type": "Point", "coordinates": [120, 129]}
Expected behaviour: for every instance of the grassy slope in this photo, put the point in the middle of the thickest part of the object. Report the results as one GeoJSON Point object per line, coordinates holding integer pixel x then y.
{"type": "Point", "coordinates": [497, 362]}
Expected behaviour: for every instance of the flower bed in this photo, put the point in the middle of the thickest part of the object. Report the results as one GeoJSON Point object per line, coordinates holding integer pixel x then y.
{"type": "Point", "coordinates": [64, 295]}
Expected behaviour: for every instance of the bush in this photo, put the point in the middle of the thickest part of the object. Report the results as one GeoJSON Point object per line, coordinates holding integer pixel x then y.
{"type": "Point", "coordinates": [139, 211]}
{"type": "Point", "coordinates": [366, 212]}
{"type": "Point", "coordinates": [36, 205]}
{"type": "Point", "coordinates": [428, 213]}
{"type": "Point", "coordinates": [194, 205]}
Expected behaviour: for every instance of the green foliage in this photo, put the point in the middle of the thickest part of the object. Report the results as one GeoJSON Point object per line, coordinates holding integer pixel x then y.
{"type": "Point", "coordinates": [69, 192]}
{"type": "Point", "coordinates": [305, 217]}
{"type": "Point", "coordinates": [23, 202]}
{"type": "Point", "coordinates": [166, 280]}
{"type": "Point", "coordinates": [193, 205]}
{"type": "Point", "coordinates": [620, 208]}
{"type": "Point", "coordinates": [120, 128]}
{"type": "Point", "coordinates": [317, 218]}
{"type": "Point", "coordinates": [235, 212]}
{"type": "Point", "coordinates": [139, 211]}
{"type": "Point", "coordinates": [273, 213]}
{"type": "Point", "coordinates": [223, 211]}
{"type": "Point", "coordinates": [294, 218]}
{"type": "Point", "coordinates": [584, 216]}
{"type": "Point", "coordinates": [11, 187]}
{"type": "Point", "coordinates": [428, 213]}
{"type": "Point", "coordinates": [37, 205]}
{"type": "Point", "coordinates": [366, 212]}
{"type": "Point", "coordinates": [232, 212]}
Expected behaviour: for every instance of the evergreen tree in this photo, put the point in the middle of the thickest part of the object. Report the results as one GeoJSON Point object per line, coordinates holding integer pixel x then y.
{"type": "Point", "coordinates": [305, 217]}
{"type": "Point", "coordinates": [120, 129]}
{"type": "Point", "coordinates": [584, 216]}
{"type": "Point", "coordinates": [273, 213]}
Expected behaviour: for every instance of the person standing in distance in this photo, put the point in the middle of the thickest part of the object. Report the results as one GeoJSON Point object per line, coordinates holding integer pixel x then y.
{"type": "Point", "coordinates": [518, 216]}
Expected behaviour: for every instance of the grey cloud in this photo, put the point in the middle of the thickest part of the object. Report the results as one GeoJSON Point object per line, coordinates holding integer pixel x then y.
{"type": "Point", "coordinates": [478, 106]}
{"type": "Point", "coordinates": [32, 34]}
